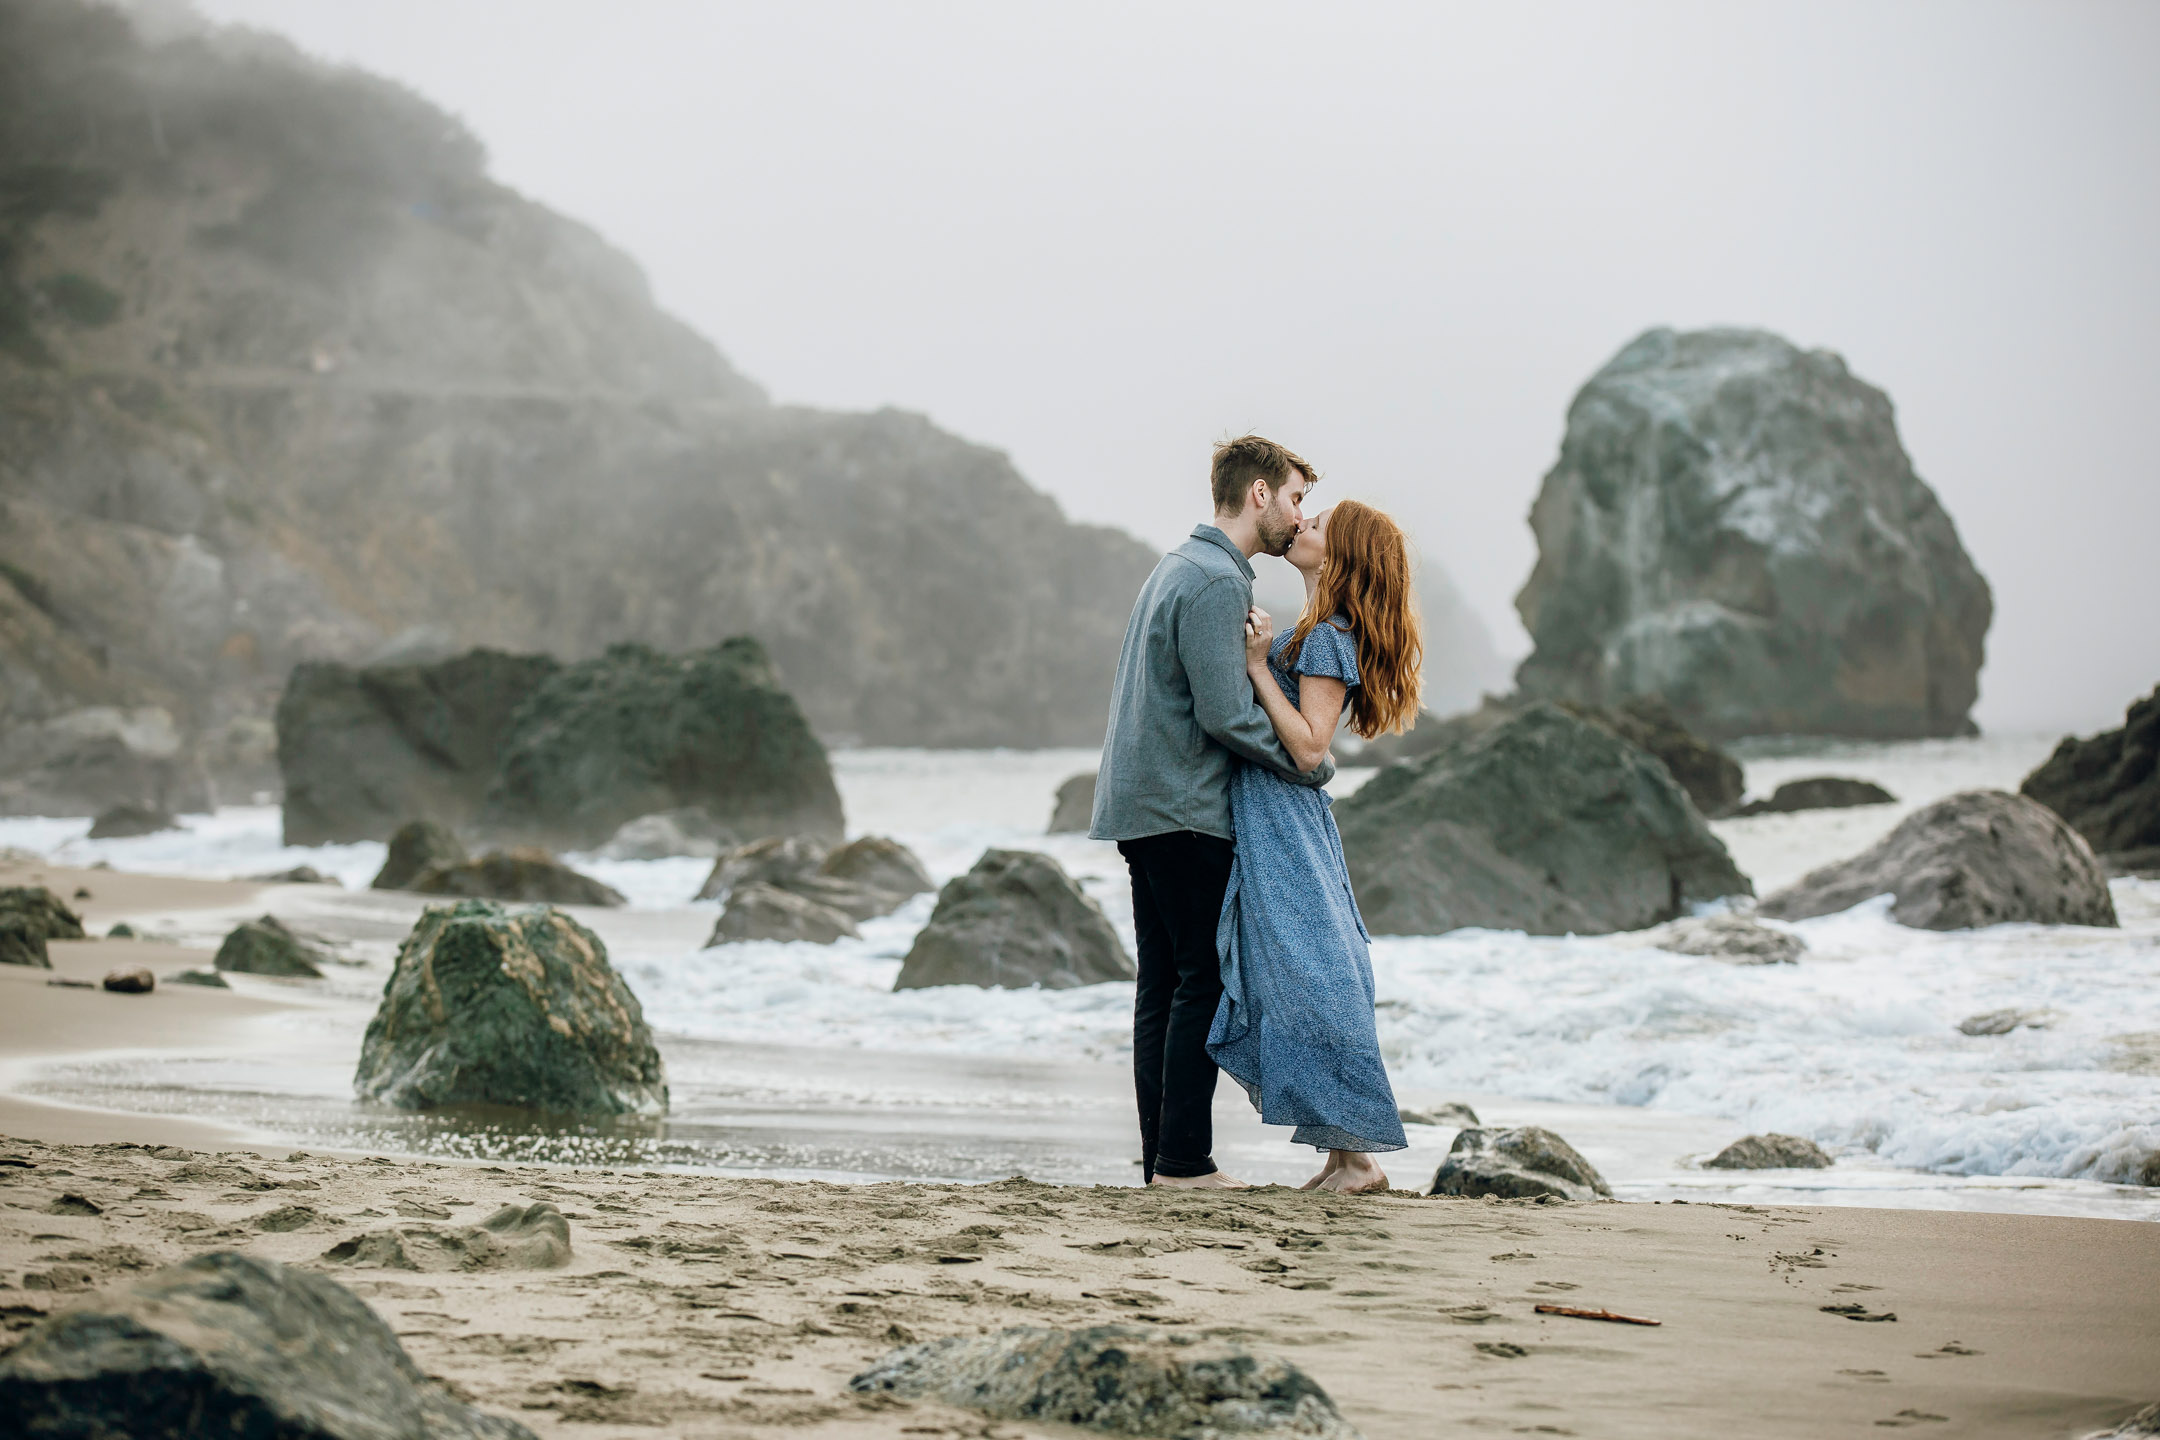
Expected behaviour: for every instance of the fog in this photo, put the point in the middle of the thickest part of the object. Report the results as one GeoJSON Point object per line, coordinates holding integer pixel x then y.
{"type": "Point", "coordinates": [1396, 239]}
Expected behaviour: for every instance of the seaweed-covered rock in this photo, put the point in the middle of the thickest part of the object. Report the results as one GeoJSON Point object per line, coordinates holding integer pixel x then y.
{"type": "Point", "coordinates": [1978, 858]}
{"type": "Point", "coordinates": [42, 911]}
{"type": "Point", "coordinates": [363, 750]}
{"type": "Point", "coordinates": [879, 864]}
{"type": "Point", "coordinates": [775, 860]}
{"type": "Point", "coordinates": [1819, 792]}
{"type": "Point", "coordinates": [266, 947]}
{"type": "Point", "coordinates": [2108, 787]}
{"type": "Point", "coordinates": [207, 978]}
{"type": "Point", "coordinates": [229, 1345]}
{"type": "Point", "coordinates": [1074, 809]}
{"type": "Point", "coordinates": [1732, 937]}
{"type": "Point", "coordinates": [418, 847]}
{"type": "Point", "coordinates": [1517, 1164]}
{"type": "Point", "coordinates": [1734, 525]}
{"type": "Point", "coordinates": [1546, 823]}
{"type": "Point", "coordinates": [124, 822]}
{"type": "Point", "coordinates": [22, 941]}
{"type": "Point", "coordinates": [633, 732]}
{"type": "Point", "coordinates": [1770, 1151]}
{"type": "Point", "coordinates": [1114, 1378]}
{"type": "Point", "coordinates": [1016, 919]}
{"type": "Point", "coordinates": [758, 911]}
{"type": "Point", "coordinates": [516, 1237]}
{"type": "Point", "coordinates": [523, 874]}
{"type": "Point", "coordinates": [491, 1006]}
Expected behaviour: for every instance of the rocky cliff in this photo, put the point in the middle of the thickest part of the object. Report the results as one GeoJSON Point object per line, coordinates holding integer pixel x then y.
{"type": "Point", "coordinates": [285, 376]}
{"type": "Point", "coordinates": [1734, 525]}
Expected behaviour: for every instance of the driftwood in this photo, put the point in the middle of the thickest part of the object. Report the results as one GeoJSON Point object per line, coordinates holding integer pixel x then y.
{"type": "Point", "coordinates": [1595, 1315]}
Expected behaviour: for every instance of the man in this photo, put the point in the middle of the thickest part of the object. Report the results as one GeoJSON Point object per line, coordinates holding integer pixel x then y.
{"type": "Point", "coordinates": [1181, 715]}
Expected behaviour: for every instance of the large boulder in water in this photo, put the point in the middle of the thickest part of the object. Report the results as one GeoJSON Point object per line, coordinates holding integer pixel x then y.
{"type": "Point", "coordinates": [775, 860]}
{"type": "Point", "coordinates": [1074, 809]}
{"type": "Point", "coordinates": [93, 759]}
{"type": "Point", "coordinates": [1979, 858]}
{"type": "Point", "coordinates": [1734, 525]}
{"type": "Point", "coordinates": [1015, 920]}
{"type": "Point", "coordinates": [522, 874]}
{"type": "Point", "coordinates": [489, 1006]}
{"type": "Point", "coordinates": [1818, 792]}
{"type": "Point", "coordinates": [862, 880]}
{"type": "Point", "coordinates": [229, 1345]}
{"type": "Point", "coordinates": [635, 732]}
{"type": "Point", "coordinates": [2108, 787]}
{"type": "Point", "coordinates": [758, 911]}
{"type": "Point", "coordinates": [125, 822]}
{"type": "Point", "coordinates": [418, 847]}
{"type": "Point", "coordinates": [363, 750]}
{"type": "Point", "coordinates": [880, 864]}
{"type": "Point", "coordinates": [1546, 823]}
{"type": "Point", "coordinates": [1517, 1164]}
{"type": "Point", "coordinates": [1117, 1379]}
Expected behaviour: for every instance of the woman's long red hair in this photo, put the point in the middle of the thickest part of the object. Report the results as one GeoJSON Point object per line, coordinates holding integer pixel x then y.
{"type": "Point", "coordinates": [1365, 577]}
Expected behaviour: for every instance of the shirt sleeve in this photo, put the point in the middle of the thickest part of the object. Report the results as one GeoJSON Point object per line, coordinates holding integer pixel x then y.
{"type": "Point", "coordinates": [1330, 652]}
{"type": "Point", "coordinates": [1211, 646]}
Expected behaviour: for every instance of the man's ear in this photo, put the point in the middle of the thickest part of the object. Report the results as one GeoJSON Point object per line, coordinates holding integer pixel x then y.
{"type": "Point", "coordinates": [1258, 493]}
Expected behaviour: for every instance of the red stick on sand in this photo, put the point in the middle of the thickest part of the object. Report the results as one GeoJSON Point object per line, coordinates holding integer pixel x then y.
{"type": "Point", "coordinates": [1595, 1315]}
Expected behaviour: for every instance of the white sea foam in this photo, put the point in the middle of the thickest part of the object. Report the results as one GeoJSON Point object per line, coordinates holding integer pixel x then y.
{"type": "Point", "coordinates": [1855, 1047]}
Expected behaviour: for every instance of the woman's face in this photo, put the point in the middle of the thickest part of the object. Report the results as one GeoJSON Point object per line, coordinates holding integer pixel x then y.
{"type": "Point", "coordinates": [1310, 547]}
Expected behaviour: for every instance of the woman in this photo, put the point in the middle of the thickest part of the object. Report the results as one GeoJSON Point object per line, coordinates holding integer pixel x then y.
{"type": "Point", "coordinates": [1295, 1026]}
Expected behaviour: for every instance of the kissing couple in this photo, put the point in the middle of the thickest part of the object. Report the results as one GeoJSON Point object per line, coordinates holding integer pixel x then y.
{"type": "Point", "coordinates": [1252, 955]}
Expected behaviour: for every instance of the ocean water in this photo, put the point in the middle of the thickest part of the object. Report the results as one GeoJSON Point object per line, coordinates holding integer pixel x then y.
{"type": "Point", "coordinates": [800, 1059]}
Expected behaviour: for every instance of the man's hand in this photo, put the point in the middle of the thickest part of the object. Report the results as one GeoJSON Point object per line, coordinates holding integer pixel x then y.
{"type": "Point", "coordinates": [1259, 636]}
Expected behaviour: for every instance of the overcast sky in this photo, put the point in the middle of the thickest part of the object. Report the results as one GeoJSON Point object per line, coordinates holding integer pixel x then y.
{"type": "Point", "coordinates": [1396, 238]}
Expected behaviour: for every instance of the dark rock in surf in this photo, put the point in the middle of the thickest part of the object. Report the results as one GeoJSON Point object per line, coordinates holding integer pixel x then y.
{"type": "Point", "coordinates": [1074, 809]}
{"type": "Point", "coordinates": [516, 1237]}
{"type": "Point", "coordinates": [1015, 920]}
{"type": "Point", "coordinates": [1517, 1164]}
{"type": "Point", "coordinates": [364, 750]}
{"type": "Point", "coordinates": [1979, 858]}
{"type": "Point", "coordinates": [41, 911]}
{"type": "Point", "coordinates": [775, 860]}
{"type": "Point", "coordinates": [229, 1345]}
{"type": "Point", "coordinates": [758, 911]}
{"type": "Point", "coordinates": [879, 864]}
{"type": "Point", "coordinates": [2108, 787]}
{"type": "Point", "coordinates": [1733, 938]}
{"type": "Point", "coordinates": [1821, 792]}
{"type": "Point", "coordinates": [2002, 1022]}
{"type": "Point", "coordinates": [125, 822]}
{"type": "Point", "coordinates": [1770, 1152]}
{"type": "Point", "coordinates": [491, 1006]}
{"type": "Point", "coordinates": [1734, 525]}
{"type": "Point", "coordinates": [689, 830]}
{"type": "Point", "coordinates": [1114, 1378]}
{"type": "Point", "coordinates": [636, 732]}
{"type": "Point", "coordinates": [525, 875]}
{"type": "Point", "coordinates": [1546, 823]}
{"type": "Point", "coordinates": [266, 947]}
{"type": "Point", "coordinates": [418, 847]}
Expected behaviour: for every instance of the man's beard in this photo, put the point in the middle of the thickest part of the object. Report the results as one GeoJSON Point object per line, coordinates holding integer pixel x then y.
{"type": "Point", "coordinates": [1276, 532]}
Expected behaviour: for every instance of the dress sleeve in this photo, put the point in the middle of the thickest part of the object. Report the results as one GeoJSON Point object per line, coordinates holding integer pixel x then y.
{"type": "Point", "coordinates": [1330, 652]}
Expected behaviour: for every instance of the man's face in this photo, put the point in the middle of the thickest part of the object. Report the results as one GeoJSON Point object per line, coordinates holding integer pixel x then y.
{"type": "Point", "coordinates": [1283, 516]}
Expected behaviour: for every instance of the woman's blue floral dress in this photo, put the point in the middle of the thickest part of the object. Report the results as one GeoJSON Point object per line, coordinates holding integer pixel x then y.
{"type": "Point", "coordinates": [1295, 1026]}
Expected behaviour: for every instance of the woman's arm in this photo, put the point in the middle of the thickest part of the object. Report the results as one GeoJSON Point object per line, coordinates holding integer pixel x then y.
{"type": "Point", "coordinates": [1307, 728]}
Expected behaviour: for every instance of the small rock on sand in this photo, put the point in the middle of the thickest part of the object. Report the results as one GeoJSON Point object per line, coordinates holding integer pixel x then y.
{"type": "Point", "coordinates": [130, 980]}
{"type": "Point", "coordinates": [209, 978]}
{"type": "Point", "coordinates": [531, 1237]}
{"type": "Point", "coordinates": [1115, 1378]}
{"type": "Point", "coordinates": [254, 1347]}
{"type": "Point", "coordinates": [266, 947]}
{"type": "Point", "coordinates": [1517, 1164]}
{"type": "Point", "coordinates": [1770, 1152]}
{"type": "Point", "coordinates": [1454, 1115]}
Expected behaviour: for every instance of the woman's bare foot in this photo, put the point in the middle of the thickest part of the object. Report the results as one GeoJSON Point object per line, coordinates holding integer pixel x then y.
{"type": "Point", "coordinates": [1334, 1163]}
{"type": "Point", "coordinates": [1353, 1173]}
{"type": "Point", "coordinates": [1213, 1180]}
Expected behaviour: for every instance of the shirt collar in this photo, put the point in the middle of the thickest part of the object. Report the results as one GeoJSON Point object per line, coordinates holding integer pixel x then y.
{"type": "Point", "coordinates": [1216, 537]}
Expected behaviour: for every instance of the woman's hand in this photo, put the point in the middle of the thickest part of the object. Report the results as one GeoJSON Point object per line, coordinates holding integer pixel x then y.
{"type": "Point", "coordinates": [1259, 636]}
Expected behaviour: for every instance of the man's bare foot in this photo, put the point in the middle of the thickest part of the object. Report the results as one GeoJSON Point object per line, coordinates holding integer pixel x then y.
{"type": "Point", "coordinates": [1213, 1180]}
{"type": "Point", "coordinates": [1354, 1174]}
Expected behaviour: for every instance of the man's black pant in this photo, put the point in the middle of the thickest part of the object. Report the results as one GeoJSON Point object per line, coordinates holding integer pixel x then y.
{"type": "Point", "coordinates": [1178, 881]}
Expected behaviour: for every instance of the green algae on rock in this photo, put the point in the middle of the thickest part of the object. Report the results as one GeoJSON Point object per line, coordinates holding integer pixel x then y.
{"type": "Point", "coordinates": [493, 1006]}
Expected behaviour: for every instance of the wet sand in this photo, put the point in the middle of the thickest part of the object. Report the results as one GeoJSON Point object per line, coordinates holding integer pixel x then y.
{"type": "Point", "coordinates": [741, 1307]}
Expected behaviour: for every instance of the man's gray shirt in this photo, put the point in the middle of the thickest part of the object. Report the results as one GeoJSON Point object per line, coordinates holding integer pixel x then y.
{"type": "Point", "coordinates": [1182, 711]}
